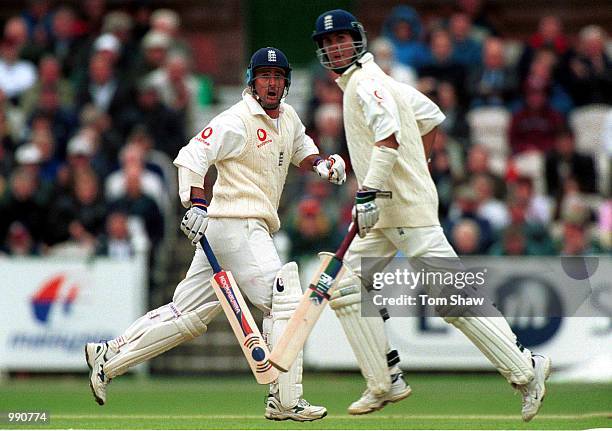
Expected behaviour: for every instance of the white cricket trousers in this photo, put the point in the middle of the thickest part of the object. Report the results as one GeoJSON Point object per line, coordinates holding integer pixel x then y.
{"type": "Point", "coordinates": [242, 246]}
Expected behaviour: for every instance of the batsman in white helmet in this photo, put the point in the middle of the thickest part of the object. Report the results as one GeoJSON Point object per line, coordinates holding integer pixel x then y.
{"type": "Point", "coordinates": [251, 144]}
{"type": "Point", "coordinates": [390, 128]}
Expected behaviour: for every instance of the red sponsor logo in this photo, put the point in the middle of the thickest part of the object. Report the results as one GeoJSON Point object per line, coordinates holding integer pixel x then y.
{"type": "Point", "coordinates": [261, 134]}
{"type": "Point", "coordinates": [377, 95]}
{"type": "Point", "coordinates": [206, 133]}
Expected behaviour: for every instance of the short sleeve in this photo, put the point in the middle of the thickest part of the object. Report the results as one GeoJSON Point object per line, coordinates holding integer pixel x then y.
{"type": "Point", "coordinates": [223, 138]}
{"type": "Point", "coordinates": [379, 108]}
{"type": "Point", "coordinates": [303, 145]}
{"type": "Point", "coordinates": [426, 112]}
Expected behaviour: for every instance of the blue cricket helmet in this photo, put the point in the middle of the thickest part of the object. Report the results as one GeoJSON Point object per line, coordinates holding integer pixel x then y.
{"type": "Point", "coordinates": [268, 57]}
{"type": "Point", "coordinates": [334, 21]}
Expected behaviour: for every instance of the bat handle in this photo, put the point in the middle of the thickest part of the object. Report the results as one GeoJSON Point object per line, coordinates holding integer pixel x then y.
{"type": "Point", "coordinates": [346, 242]}
{"type": "Point", "coordinates": [212, 259]}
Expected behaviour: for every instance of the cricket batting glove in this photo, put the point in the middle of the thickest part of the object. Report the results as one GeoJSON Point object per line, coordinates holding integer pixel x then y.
{"type": "Point", "coordinates": [333, 169]}
{"type": "Point", "coordinates": [195, 221]}
{"type": "Point", "coordinates": [365, 212]}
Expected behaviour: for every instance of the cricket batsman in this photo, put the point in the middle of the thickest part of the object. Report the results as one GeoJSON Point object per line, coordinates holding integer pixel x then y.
{"type": "Point", "coordinates": [390, 128]}
{"type": "Point", "coordinates": [251, 144]}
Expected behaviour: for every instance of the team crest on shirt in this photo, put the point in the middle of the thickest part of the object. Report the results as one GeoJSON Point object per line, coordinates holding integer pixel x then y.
{"type": "Point", "coordinates": [262, 136]}
{"type": "Point", "coordinates": [204, 135]}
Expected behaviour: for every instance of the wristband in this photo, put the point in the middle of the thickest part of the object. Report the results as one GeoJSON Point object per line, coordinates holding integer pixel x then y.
{"type": "Point", "coordinates": [200, 203]}
{"type": "Point", "coordinates": [316, 162]}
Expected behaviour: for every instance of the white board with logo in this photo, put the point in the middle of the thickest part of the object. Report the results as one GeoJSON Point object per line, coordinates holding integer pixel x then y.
{"type": "Point", "coordinates": [51, 308]}
{"type": "Point", "coordinates": [431, 343]}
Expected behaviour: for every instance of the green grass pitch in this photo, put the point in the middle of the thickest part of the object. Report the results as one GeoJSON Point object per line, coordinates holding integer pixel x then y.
{"type": "Point", "coordinates": [437, 402]}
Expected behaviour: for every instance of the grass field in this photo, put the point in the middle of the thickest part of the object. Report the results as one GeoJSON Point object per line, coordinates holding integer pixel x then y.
{"type": "Point", "coordinates": [437, 402]}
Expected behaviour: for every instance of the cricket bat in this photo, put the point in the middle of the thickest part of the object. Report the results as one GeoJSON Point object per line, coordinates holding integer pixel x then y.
{"type": "Point", "coordinates": [311, 306]}
{"type": "Point", "coordinates": [245, 329]}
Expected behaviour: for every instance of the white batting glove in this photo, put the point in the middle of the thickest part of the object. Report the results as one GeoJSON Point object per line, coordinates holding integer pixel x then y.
{"type": "Point", "coordinates": [195, 221]}
{"type": "Point", "coordinates": [333, 169]}
{"type": "Point", "coordinates": [365, 212]}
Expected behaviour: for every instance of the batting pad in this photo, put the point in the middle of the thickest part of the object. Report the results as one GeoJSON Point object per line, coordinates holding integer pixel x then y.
{"type": "Point", "coordinates": [495, 339]}
{"type": "Point", "coordinates": [161, 337]}
{"type": "Point", "coordinates": [285, 299]}
{"type": "Point", "coordinates": [366, 335]}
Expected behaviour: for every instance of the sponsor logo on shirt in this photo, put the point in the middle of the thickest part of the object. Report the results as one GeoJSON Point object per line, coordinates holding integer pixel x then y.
{"type": "Point", "coordinates": [205, 134]}
{"type": "Point", "coordinates": [262, 135]}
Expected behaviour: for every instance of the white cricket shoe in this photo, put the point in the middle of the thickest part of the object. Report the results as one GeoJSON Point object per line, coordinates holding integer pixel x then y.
{"type": "Point", "coordinates": [369, 402]}
{"type": "Point", "coordinates": [94, 355]}
{"type": "Point", "coordinates": [534, 391]}
{"type": "Point", "coordinates": [301, 412]}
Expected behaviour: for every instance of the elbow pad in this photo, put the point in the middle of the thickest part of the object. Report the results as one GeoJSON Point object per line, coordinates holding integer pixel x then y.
{"type": "Point", "coordinates": [381, 165]}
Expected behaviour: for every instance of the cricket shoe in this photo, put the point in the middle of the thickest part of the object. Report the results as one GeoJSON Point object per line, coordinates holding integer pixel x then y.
{"type": "Point", "coordinates": [534, 391]}
{"type": "Point", "coordinates": [95, 357]}
{"type": "Point", "coordinates": [369, 402]}
{"type": "Point", "coordinates": [301, 412]}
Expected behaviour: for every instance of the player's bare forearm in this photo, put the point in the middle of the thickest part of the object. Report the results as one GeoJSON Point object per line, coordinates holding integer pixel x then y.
{"type": "Point", "coordinates": [309, 160]}
{"type": "Point", "coordinates": [428, 141]}
{"type": "Point", "coordinates": [197, 193]}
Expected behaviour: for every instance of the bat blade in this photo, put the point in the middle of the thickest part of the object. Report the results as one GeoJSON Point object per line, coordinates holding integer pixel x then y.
{"type": "Point", "coordinates": [307, 313]}
{"type": "Point", "coordinates": [245, 329]}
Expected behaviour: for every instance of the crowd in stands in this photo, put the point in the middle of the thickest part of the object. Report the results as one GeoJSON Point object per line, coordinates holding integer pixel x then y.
{"type": "Point", "coordinates": [522, 162]}
{"type": "Point", "coordinates": [95, 104]}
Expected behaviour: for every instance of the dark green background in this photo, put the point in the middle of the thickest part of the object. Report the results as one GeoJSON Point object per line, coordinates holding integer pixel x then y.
{"type": "Point", "coordinates": [287, 25]}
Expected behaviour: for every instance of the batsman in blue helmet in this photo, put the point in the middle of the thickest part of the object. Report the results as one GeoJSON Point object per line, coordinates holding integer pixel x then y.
{"type": "Point", "coordinates": [252, 144]}
{"type": "Point", "coordinates": [390, 128]}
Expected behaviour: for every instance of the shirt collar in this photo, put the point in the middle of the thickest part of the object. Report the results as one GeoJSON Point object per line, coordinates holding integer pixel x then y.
{"type": "Point", "coordinates": [365, 61]}
{"type": "Point", "coordinates": [254, 106]}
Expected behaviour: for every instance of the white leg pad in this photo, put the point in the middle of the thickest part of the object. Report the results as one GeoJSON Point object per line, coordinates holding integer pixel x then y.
{"type": "Point", "coordinates": [366, 335]}
{"type": "Point", "coordinates": [285, 299]}
{"type": "Point", "coordinates": [495, 339]}
{"type": "Point", "coordinates": [161, 337]}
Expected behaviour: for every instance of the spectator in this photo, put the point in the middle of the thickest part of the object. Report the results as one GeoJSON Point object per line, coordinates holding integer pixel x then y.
{"type": "Point", "coordinates": [549, 37]}
{"type": "Point", "coordinates": [384, 54]}
{"type": "Point", "coordinates": [91, 16]}
{"type": "Point", "coordinates": [465, 238]}
{"type": "Point", "coordinates": [565, 162]}
{"type": "Point", "coordinates": [16, 30]}
{"type": "Point", "coordinates": [108, 139]}
{"type": "Point", "coordinates": [311, 230]}
{"type": "Point", "coordinates": [132, 164]}
{"type": "Point", "coordinates": [441, 67]}
{"type": "Point", "coordinates": [403, 29]}
{"type": "Point", "coordinates": [49, 76]}
{"type": "Point", "coordinates": [165, 125]}
{"type": "Point", "coordinates": [482, 27]}
{"type": "Point", "coordinates": [478, 163]}
{"type": "Point", "coordinates": [16, 76]}
{"type": "Point", "coordinates": [591, 68]}
{"type": "Point", "coordinates": [38, 18]}
{"type": "Point", "coordinates": [513, 242]}
{"type": "Point", "coordinates": [136, 203]}
{"type": "Point", "coordinates": [541, 75]}
{"type": "Point", "coordinates": [494, 83]}
{"type": "Point", "coordinates": [155, 47]}
{"type": "Point", "coordinates": [178, 89]}
{"type": "Point", "coordinates": [536, 237]}
{"type": "Point", "coordinates": [19, 241]}
{"type": "Point", "coordinates": [21, 202]}
{"type": "Point", "coordinates": [63, 43]}
{"type": "Point", "coordinates": [538, 208]}
{"type": "Point", "coordinates": [575, 241]}
{"type": "Point", "coordinates": [7, 148]}
{"type": "Point", "coordinates": [467, 51]}
{"type": "Point", "coordinates": [465, 207]}
{"type": "Point", "coordinates": [455, 124]}
{"type": "Point", "coordinates": [78, 217]}
{"type": "Point", "coordinates": [116, 242]}
{"type": "Point", "coordinates": [168, 22]}
{"type": "Point", "coordinates": [119, 24]}
{"type": "Point", "coordinates": [62, 120]}
{"type": "Point", "coordinates": [534, 127]}
{"type": "Point", "coordinates": [103, 88]}
{"type": "Point", "coordinates": [489, 208]}
{"type": "Point", "coordinates": [329, 130]}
